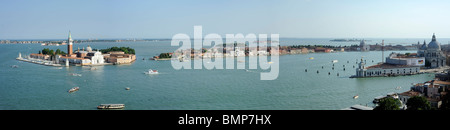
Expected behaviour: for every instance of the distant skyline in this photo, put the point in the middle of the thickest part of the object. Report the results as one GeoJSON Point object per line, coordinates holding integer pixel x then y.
{"type": "Point", "coordinates": [113, 19]}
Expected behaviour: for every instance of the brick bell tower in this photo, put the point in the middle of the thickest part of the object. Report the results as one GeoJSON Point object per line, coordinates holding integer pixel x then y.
{"type": "Point", "coordinates": [70, 45]}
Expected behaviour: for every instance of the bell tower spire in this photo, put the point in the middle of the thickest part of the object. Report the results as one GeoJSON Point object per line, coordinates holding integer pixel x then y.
{"type": "Point", "coordinates": [69, 46]}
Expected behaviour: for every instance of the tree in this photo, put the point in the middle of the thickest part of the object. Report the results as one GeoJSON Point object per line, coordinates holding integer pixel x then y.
{"type": "Point", "coordinates": [388, 104]}
{"type": "Point", "coordinates": [126, 50]}
{"type": "Point", "coordinates": [59, 52]}
{"type": "Point", "coordinates": [51, 52]}
{"type": "Point", "coordinates": [445, 103]}
{"type": "Point", "coordinates": [418, 103]}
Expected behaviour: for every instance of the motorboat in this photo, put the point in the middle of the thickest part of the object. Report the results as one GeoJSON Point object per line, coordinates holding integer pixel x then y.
{"type": "Point", "coordinates": [335, 61]}
{"type": "Point", "coordinates": [74, 89]}
{"type": "Point", "coordinates": [150, 71]}
{"type": "Point", "coordinates": [355, 97]}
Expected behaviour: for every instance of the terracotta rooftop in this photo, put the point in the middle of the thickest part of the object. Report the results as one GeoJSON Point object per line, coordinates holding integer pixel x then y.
{"type": "Point", "coordinates": [34, 54]}
{"type": "Point", "coordinates": [65, 57]}
{"type": "Point", "coordinates": [410, 93]}
{"type": "Point", "coordinates": [441, 82]}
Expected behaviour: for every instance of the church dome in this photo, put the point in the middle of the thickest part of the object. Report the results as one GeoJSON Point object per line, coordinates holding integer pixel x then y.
{"type": "Point", "coordinates": [424, 46]}
{"type": "Point", "coordinates": [434, 44]}
{"type": "Point", "coordinates": [362, 43]}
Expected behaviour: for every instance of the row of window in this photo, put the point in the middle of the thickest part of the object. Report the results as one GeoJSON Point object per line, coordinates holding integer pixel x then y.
{"type": "Point", "coordinates": [391, 72]}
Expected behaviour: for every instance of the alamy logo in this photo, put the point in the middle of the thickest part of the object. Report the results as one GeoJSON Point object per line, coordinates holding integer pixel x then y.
{"type": "Point", "coordinates": [235, 49]}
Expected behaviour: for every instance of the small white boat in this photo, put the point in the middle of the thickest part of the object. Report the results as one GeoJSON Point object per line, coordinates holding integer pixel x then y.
{"type": "Point", "coordinates": [75, 74]}
{"type": "Point", "coordinates": [398, 88]}
{"type": "Point", "coordinates": [127, 88]}
{"type": "Point", "coordinates": [111, 106]}
{"type": "Point", "coordinates": [14, 66]}
{"type": "Point", "coordinates": [335, 61]}
{"type": "Point", "coordinates": [355, 97]}
{"type": "Point", "coordinates": [150, 71]}
{"type": "Point", "coordinates": [74, 89]}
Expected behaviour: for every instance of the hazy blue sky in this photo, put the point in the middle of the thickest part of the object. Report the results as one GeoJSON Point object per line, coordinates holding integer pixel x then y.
{"type": "Point", "coordinates": [52, 19]}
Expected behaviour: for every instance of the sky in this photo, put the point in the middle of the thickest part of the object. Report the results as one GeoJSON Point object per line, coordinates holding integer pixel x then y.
{"type": "Point", "coordinates": [105, 19]}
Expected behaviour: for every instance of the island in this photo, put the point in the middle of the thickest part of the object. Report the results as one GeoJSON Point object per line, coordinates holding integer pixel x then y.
{"type": "Point", "coordinates": [82, 57]}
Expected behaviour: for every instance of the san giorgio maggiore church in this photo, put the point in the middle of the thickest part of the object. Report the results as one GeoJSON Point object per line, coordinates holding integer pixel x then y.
{"type": "Point", "coordinates": [428, 55]}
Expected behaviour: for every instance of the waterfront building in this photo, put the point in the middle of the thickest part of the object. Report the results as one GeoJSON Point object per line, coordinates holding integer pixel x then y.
{"type": "Point", "coordinates": [396, 64]}
{"type": "Point", "coordinates": [304, 50]}
{"type": "Point", "coordinates": [321, 49]}
{"type": "Point", "coordinates": [239, 52]}
{"type": "Point", "coordinates": [119, 57]}
{"type": "Point", "coordinates": [403, 59]}
{"type": "Point", "coordinates": [40, 56]}
{"type": "Point", "coordinates": [434, 57]}
{"type": "Point", "coordinates": [405, 96]}
{"type": "Point", "coordinates": [363, 46]}
{"type": "Point", "coordinates": [96, 57]}
{"type": "Point", "coordinates": [433, 91]}
{"type": "Point", "coordinates": [74, 60]}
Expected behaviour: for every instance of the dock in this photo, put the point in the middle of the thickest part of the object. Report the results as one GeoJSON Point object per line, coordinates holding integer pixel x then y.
{"type": "Point", "coordinates": [40, 62]}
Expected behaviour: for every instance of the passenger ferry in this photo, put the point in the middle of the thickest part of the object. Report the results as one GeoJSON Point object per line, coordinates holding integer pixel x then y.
{"type": "Point", "coordinates": [111, 106]}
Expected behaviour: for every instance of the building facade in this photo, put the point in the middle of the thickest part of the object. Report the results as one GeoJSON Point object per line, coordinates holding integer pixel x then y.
{"type": "Point", "coordinates": [395, 65]}
{"type": "Point", "coordinates": [81, 57]}
{"type": "Point", "coordinates": [363, 46]}
{"type": "Point", "coordinates": [434, 57]}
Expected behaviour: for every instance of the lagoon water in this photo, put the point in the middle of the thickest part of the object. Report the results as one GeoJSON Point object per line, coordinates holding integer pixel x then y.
{"type": "Point", "coordinates": [38, 87]}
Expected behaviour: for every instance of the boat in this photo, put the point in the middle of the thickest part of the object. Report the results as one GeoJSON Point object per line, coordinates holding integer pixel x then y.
{"type": "Point", "coordinates": [398, 88]}
{"type": "Point", "coordinates": [127, 88]}
{"type": "Point", "coordinates": [111, 106]}
{"type": "Point", "coordinates": [311, 58]}
{"type": "Point", "coordinates": [355, 97]}
{"type": "Point", "coordinates": [269, 62]}
{"type": "Point", "coordinates": [335, 61]}
{"type": "Point", "coordinates": [74, 89]}
{"type": "Point", "coordinates": [75, 74]}
{"type": "Point", "coordinates": [14, 66]}
{"type": "Point", "coordinates": [150, 71]}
